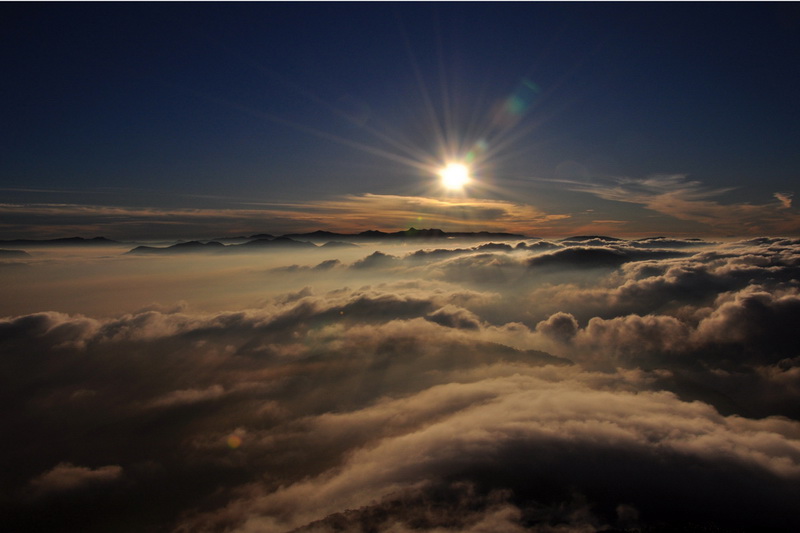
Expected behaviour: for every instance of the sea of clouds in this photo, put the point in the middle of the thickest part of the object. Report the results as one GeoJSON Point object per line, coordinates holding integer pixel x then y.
{"type": "Point", "coordinates": [532, 385]}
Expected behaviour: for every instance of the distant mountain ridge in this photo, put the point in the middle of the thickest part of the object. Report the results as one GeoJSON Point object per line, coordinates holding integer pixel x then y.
{"type": "Point", "coordinates": [410, 233]}
{"type": "Point", "coordinates": [65, 241]}
{"type": "Point", "coordinates": [330, 239]}
{"type": "Point", "coordinates": [308, 240]}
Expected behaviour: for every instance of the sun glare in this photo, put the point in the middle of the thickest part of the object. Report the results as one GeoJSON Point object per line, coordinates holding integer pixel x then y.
{"type": "Point", "coordinates": [454, 176]}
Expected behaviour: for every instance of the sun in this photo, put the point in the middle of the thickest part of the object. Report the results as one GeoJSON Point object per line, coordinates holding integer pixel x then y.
{"type": "Point", "coordinates": [454, 176]}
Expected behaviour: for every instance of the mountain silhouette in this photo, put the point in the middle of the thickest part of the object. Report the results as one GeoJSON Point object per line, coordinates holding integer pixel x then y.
{"type": "Point", "coordinates": [584, 238]}
{"type": "Point", "coordinates": [218, 247]}
{"type": "Point", "coordinates": [410, 233]}
{"type": "Point", "coordinates": [277, 242]}
{"type": "Point", "coordinates": [326, 238]}
{"type": "Point", "coordinates": [66, 241]}
{"type": "Point", "coordinates": [181, 247]}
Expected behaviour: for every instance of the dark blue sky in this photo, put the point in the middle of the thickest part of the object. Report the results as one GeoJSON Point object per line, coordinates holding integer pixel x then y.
{"type": "Point", "coordinates": [637, 108]}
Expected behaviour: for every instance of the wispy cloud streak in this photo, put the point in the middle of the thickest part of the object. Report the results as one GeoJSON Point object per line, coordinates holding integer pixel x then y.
{"type": "Point", "coordinates": [685, 199]}
{"type": "Point", "coordinates": [347, 213]}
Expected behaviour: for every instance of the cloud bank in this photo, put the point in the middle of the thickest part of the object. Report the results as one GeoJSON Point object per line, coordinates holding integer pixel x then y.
{"type": "Point", "coordinates": [581, 385]}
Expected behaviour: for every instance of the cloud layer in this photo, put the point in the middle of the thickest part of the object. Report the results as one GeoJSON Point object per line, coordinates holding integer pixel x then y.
{"type": "Point", "coordinates": [581, 385]}
{"type": "Point", "coordinates": [352, 213]}
{"type": "Point", "coordinates": [667, 204]}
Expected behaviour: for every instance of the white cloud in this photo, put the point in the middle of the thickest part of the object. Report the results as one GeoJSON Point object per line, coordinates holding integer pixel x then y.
{"type": "Point", "coordinates": [188, 396]}
{"type": "Point", "coordinates": [66, 476]}
{"type": "Point", "coordinates": [785, 198]}
{"type": "Point", "coordinates": [476, 384]}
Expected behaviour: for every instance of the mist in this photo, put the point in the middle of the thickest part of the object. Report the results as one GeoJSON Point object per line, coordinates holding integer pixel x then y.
{"type": "Point", "coordinates": [447, 385]}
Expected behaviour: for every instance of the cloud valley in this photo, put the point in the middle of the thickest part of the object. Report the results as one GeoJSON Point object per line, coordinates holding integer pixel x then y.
{"type": "Point", "coordinates": [579, 385]}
